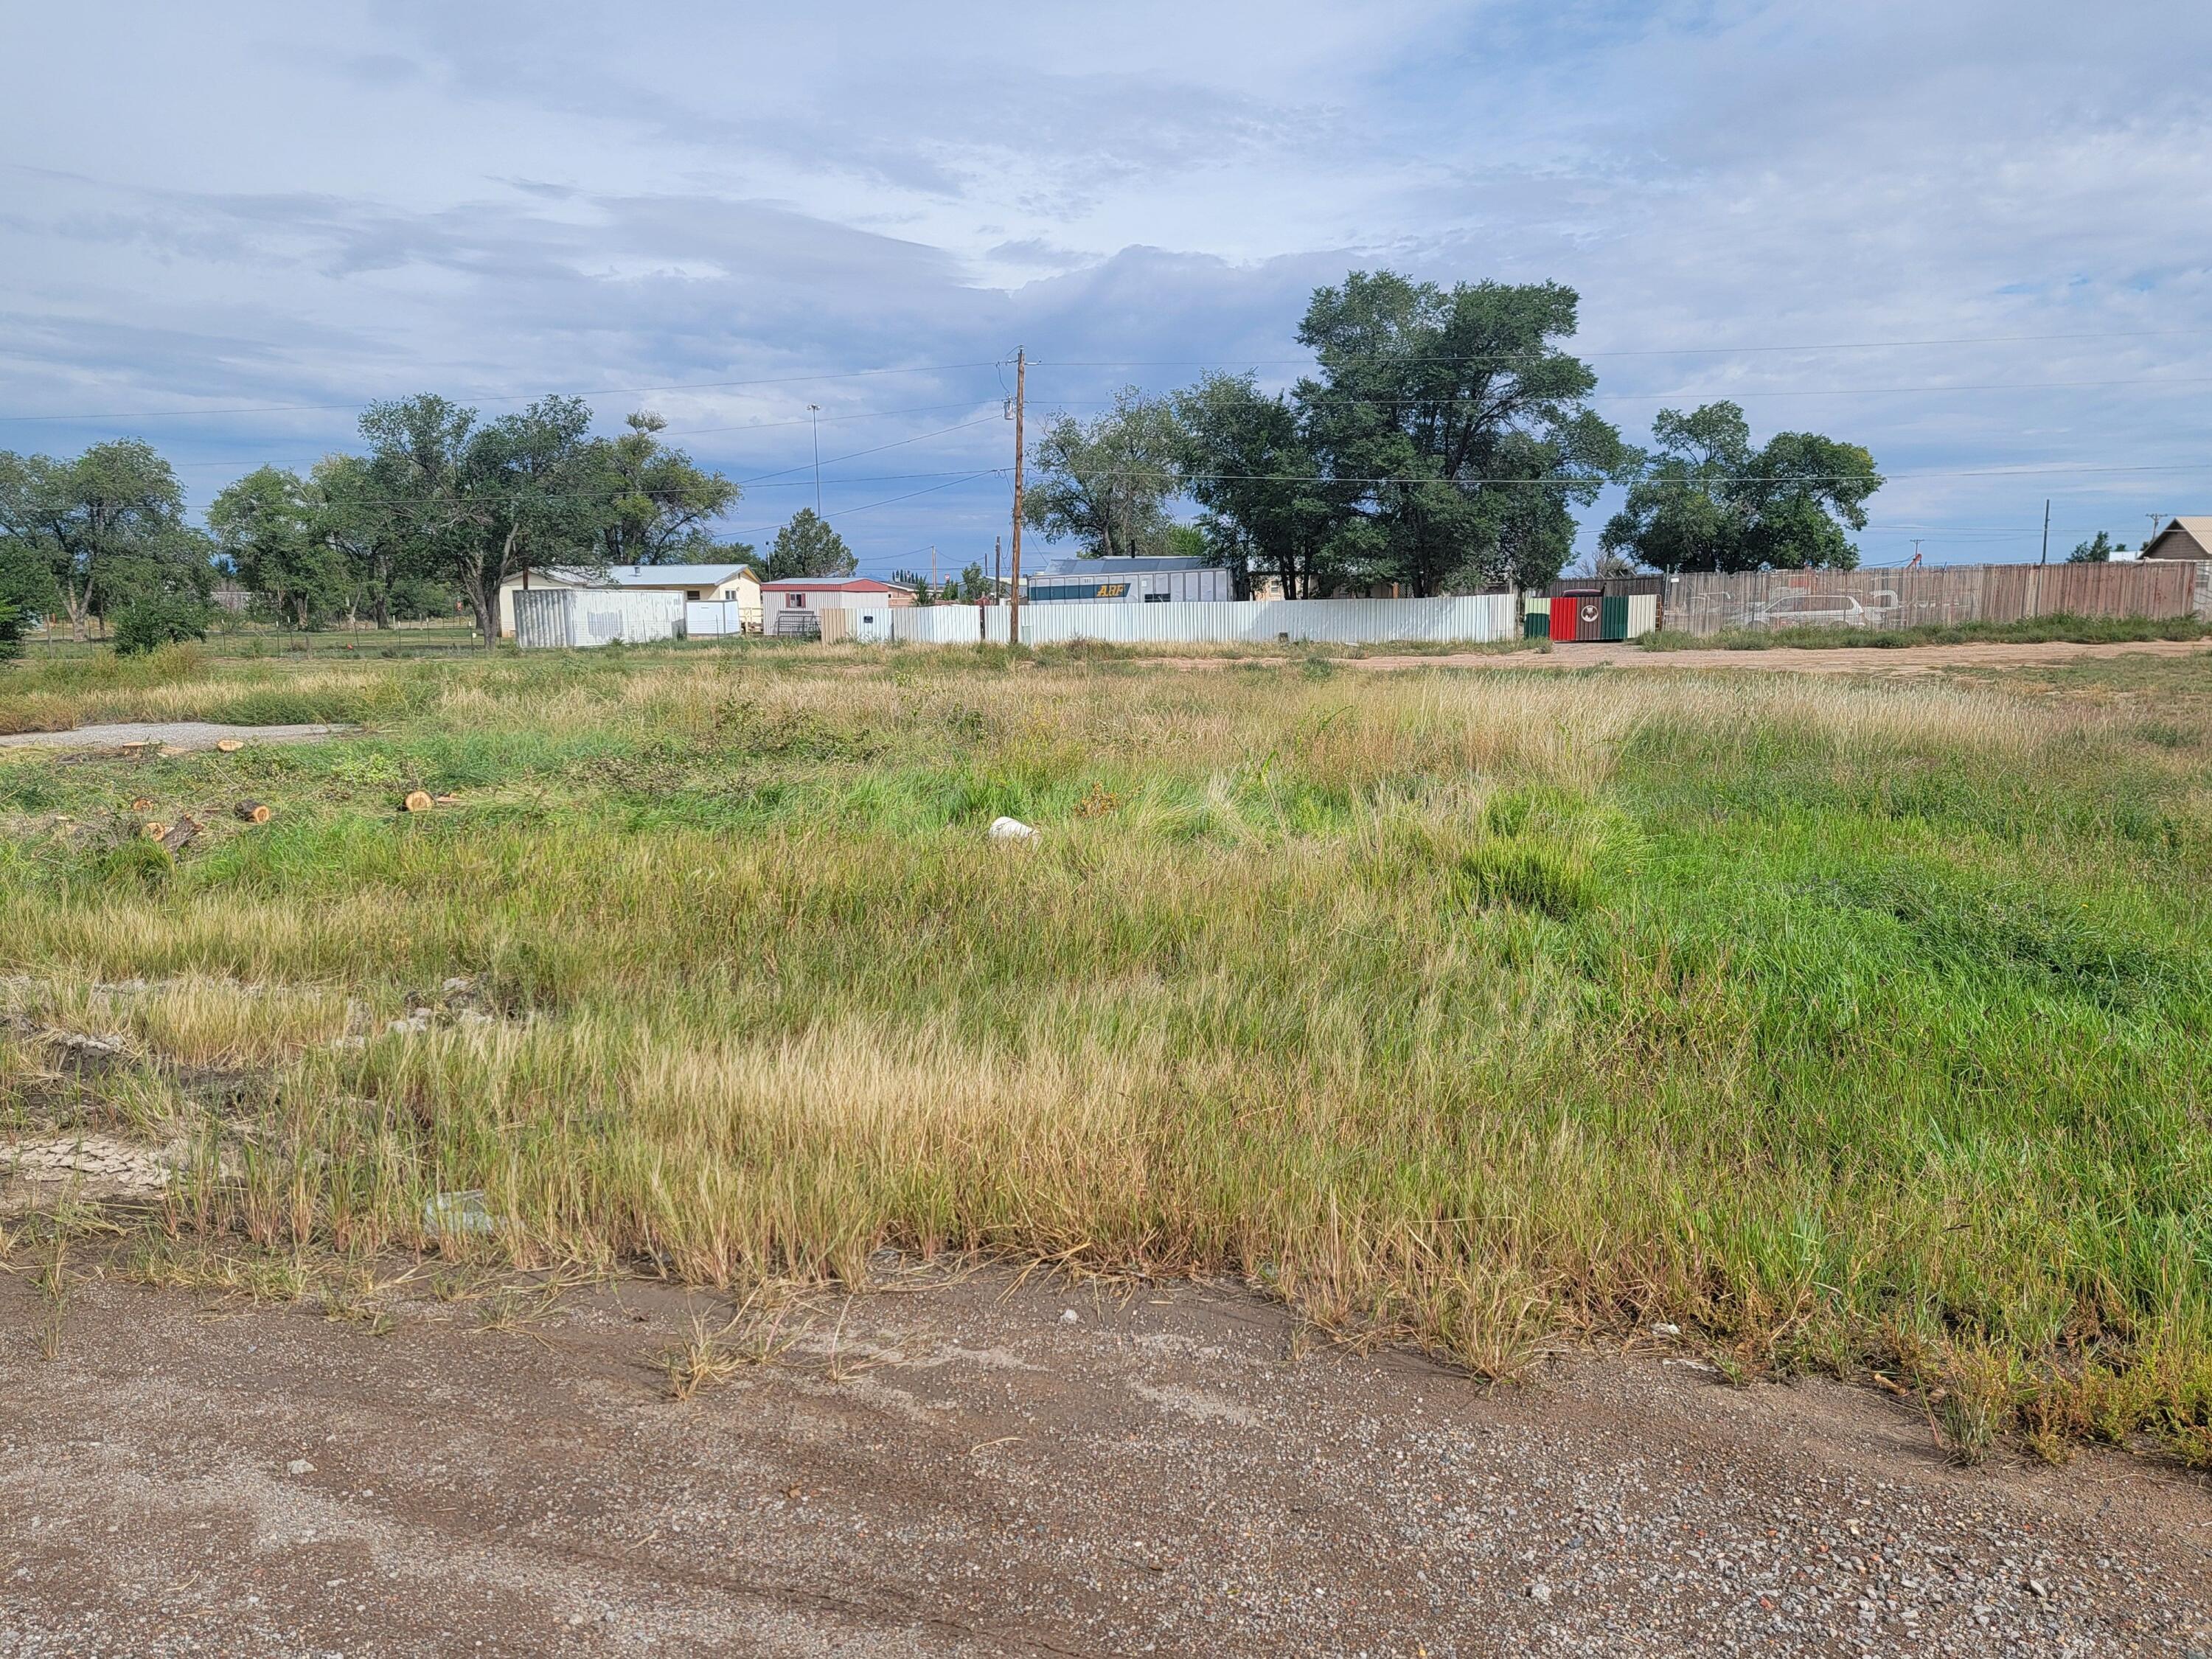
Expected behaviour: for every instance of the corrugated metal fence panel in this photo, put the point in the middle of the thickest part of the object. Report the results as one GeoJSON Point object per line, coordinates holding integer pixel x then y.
{"type": "Point", "coordinates": [541, 618]}
{"type": "Point", "coordinates": [706, 619]}
{"type": "Point", "coordinates": [1472, 620]}
{"type": "Point", "coordinates": [552, 618]}
{"type": "Point", "coordinates": [1642, 614]}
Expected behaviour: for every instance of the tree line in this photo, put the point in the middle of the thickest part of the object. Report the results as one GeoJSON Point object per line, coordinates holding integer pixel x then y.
{"type": "Point", "coordinates": [1441, 444]}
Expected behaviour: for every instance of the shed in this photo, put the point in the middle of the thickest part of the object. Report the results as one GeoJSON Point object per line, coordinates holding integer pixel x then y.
{"type": "Point", "coordinates": [734, 585]}
{"type": "Point", "coordinates": [2182, 538]}
{"type": "Point", "coordinates": [550, 619]}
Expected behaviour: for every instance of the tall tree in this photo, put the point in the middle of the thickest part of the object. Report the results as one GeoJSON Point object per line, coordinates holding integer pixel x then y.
{"type": "Point", "coordinates": [1705, 500]}
{"type": "Point", "coordinates": [265, 525]}
{"type": "Point", "coordinates": [107, 527]}
{"type": "Point", "coordinates": [1248, 464]}
{"type": "Point", "coordinates": [1453, 429]}
{"type": "Point", "coordinates": [355, 510]}
{"type": "Point", "coordinates": [807, 546]}
{"type": "Point", "coordinates": [659, 501]}
{"type": "Point", "coordinates": [487, 503]}
{"type": "Point", "coordinates": [1106, 482]}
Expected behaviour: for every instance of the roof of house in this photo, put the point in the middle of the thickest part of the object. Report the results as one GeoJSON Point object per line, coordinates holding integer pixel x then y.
{"type": "Point", "coordinates": [653, 575]}
{"type": "Point", "coordinates": [2198, 529]}
{"type": "Point", "coordinates": [836, 584]}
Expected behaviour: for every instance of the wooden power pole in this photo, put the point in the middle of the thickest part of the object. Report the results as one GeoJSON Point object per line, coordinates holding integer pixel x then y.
{"type": "Point", "coordinates": [1014, 594]}
{"type": "Point", "coordinates": [2045, 559]}
{"type": "Point", "coordinates": [997, 568]}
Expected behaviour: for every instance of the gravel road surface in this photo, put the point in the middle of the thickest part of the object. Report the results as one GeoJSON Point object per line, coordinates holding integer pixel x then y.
{"type": "Point", "coordinates": [173, 734]}
{"type": "Point", "coordinates": [982, 1465]}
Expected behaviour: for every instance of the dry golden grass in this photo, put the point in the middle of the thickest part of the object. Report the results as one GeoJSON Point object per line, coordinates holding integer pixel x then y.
{"type": "Point", "coordinates": [1846, 1024]}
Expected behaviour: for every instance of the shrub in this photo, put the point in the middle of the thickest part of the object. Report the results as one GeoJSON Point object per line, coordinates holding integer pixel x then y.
{"type": "Point", "coordinates": [158, 619]}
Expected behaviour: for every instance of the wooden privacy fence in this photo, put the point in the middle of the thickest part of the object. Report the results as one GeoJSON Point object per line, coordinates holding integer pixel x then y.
{"type": "Point", "coordinates": [1711, 602]}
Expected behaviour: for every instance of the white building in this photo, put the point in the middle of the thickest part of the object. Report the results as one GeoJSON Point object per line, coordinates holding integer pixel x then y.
{"type": "Point", "coordinates": [1131, 580]}
{"type": "Point", "coordinates": [734, 582]}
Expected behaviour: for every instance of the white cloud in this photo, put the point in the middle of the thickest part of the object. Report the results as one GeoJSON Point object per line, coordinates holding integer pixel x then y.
{"type": "Point", "coordinates": [321, 205]}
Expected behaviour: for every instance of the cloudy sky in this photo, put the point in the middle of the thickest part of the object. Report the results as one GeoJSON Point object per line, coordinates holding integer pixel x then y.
{"type": "Point", "coordinates": [1972, 236]}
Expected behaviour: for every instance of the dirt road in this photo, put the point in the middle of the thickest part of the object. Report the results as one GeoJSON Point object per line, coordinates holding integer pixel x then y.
{"type": "Point", "coordinates": [1838, 659]}
{"type": "Point", "coordinates": [987, 1467]}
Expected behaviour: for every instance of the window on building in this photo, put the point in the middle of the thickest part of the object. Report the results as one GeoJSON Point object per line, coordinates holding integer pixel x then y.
{"type": "Point", "coordinates": [1158, 598]}
{"type": "Point", "coordinates": [794, 601]}
{"type": "Point", "coordinates": [690, 592]}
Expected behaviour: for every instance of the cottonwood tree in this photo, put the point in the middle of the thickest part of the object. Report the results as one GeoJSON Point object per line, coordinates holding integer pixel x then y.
{"type": "Point", "coordinates": [105, 530]}
{"type": "Point", "coordinates": [1106, 482]}
{"type": "Point", "coordinates": [807, 546]}
{"type": "Point", "coordinates": [267, 524]}
{"type": "Point", "coordinates": [1705, 500]}
{"type": "Point", "coordinates": [1266, 509]}
{"type": "Point", "coordinates": [485, 504]}
{"type": "Point", "coordinates": [658, 501]}
{"type": "Point", "coordinates": [1453, 431]}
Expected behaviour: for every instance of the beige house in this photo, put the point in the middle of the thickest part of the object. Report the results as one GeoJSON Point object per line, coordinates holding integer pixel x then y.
{"type": "Point", "coordinates": [691, 582]}
{"type": "Point", "coordinates": [2182, 538]}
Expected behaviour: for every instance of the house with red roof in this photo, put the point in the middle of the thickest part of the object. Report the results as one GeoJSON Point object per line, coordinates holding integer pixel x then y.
{"type": "Point", "coordinates": [795, 604]}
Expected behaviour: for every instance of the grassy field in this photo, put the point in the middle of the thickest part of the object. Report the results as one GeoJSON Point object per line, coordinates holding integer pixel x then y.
{"type": "Point", "coordinates": [2036, 631]}
{"type": "Point", "coordinates": [1851, 1026]}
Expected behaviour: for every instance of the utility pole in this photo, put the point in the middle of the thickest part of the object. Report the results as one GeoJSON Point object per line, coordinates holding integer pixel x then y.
{"type": "Point", "coordinates": [932, 567]}
{"type": "Point", "coordinates": [2045, 559]}
{"type": "Point", "coordinates": [1014, 615]}
{"type": "Point", "coordinates": [815, 410]}
{"type": "Point", "coordinates": [997, 568]}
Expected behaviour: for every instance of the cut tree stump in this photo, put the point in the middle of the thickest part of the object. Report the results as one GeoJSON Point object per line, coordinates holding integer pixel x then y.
{"type": "Point", "coordinates": [153, 829]}
{"type": "Point", "coordinates": [228, 745]}
{"type": "Point", "coordinates": [143, 804]}
{"type": "Point", "coordinates": [180, 834]}
{"type": "Point", "coordinates": [418, 800]}
{"type": "Point", "coordinates": [252, 811]}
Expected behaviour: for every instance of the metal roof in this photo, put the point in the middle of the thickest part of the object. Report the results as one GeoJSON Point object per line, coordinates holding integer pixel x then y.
{"type": "Point", "coordinates": [652, 575]}
{"type": "Point", "coordinates": [842, 584]}
{"type": "Point", "coordinates": [2198, 529]}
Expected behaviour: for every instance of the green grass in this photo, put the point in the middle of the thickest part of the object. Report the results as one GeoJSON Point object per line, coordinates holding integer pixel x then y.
{"type": "Point", "coordinates": [1849, 1024]}
{"type": "Point", "coordinates": [2085, 630]}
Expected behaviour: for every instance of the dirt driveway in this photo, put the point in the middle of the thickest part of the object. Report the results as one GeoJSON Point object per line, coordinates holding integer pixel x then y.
{"type": "Point", "coordinates": [1838, 659]}
{"type": "Point", "coordinates": [984, 1466]}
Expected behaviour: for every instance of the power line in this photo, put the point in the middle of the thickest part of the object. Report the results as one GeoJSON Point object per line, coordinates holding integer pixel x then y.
{"type": "Point", "coordinates": [895, 444]}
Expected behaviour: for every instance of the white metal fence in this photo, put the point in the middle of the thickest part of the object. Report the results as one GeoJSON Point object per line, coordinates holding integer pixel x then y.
{"type": "Point", "coordinates": [552, 618]}
{"type": "Point", "coordinates": [1473, 620]}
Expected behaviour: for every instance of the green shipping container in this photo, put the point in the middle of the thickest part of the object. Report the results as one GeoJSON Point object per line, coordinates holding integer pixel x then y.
{"type": "Point", "coordinates": [1536, 625]}
{"type": "Point", "coordinates": [1612, 623]}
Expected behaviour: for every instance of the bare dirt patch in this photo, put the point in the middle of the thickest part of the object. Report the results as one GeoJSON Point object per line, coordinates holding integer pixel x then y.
{"type": "Point", "coordinates": [954, 1466]}
{"type": "Point", "coordinates": [1838, 659]}
{"type": "Point", "coordinates": [167, 734]}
